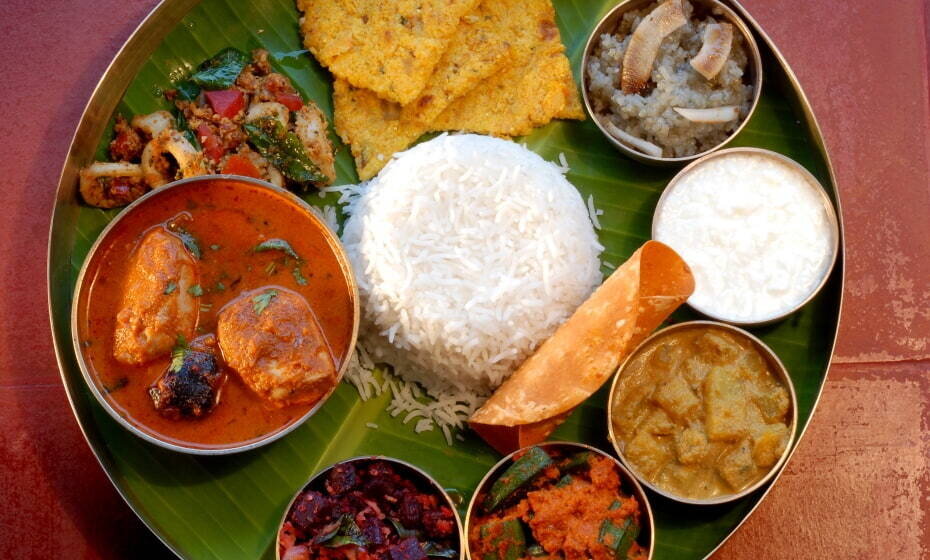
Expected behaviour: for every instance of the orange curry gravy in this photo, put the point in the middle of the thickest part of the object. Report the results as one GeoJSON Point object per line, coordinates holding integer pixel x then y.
{"type": "Point", "coordinates": [228, 218]}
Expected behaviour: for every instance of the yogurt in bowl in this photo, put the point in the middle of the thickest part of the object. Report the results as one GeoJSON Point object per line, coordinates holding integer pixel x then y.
{"type": "Point", "coordinates": [757, 229]}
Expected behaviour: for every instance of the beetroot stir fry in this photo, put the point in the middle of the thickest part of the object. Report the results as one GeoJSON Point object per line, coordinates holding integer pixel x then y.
{"type": "Point", "coordinates": [369, 509]}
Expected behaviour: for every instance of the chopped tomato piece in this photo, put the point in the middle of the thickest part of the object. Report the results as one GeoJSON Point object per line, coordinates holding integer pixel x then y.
{"type": "Point", "coordinates": [226, 102]}
{"type": "Point", "coordinates": [212, 147]}
{"type": "Point", "coordinates": [290, 100]}
{"type": "Point", "coordinates": [241, 165]}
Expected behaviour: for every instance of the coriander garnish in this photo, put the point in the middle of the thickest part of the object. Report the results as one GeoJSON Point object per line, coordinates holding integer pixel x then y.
{"type": "Point", "coordinates": [172, 286]}
{"type": "Point", "coordinates": [261, 301]}
{"type": "Point", "coordinates": [195, 290]}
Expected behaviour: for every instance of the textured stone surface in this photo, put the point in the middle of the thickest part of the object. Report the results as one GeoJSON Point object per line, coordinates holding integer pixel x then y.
{"type": "Point", "coordinates": [859, 480]}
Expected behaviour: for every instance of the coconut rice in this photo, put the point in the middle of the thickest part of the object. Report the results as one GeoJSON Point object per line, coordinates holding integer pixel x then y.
{"type": "Point", "coordinates": [650, 115]}
{"type": "Point", "coordinates": [469, 252]}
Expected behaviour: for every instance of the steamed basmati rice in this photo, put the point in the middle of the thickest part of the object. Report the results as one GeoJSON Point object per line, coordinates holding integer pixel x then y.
{"type": "Point", "coordinates": [469, 252]}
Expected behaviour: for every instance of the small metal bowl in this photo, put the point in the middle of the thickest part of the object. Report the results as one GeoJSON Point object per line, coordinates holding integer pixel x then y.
{"type": "Point", "coordinates": [103, 242]}
{"type": "Point", "coordinates": [832, 220]}
{"type": "Point", "coordinates": [401, 466]}
{"type": "Point", "coordinates": [776, 367]}
{"type": "Point", "coordinates": [628, 484]}
{"type": "Point", "coordinates": [609, 23]}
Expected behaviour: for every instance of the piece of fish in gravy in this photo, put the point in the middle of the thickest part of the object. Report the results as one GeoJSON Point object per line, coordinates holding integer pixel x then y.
{"type": "Point", "coordinates": [271, 338]}
{"type": "Point", "coordinates": [157, 305]}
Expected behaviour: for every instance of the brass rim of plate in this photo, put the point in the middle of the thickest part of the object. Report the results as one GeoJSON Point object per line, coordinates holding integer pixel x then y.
{"type": "Point", "coordinates": [774, 363]}
{"type": "Point", "coordinates": [628, 481]}
{"type": "Point", "coordinates": [417, 470]}
{"type": "Point", "coordinates": [832, 219]}
{"type": "Point", "coordinates": [102, 241]}
{"type": "Point", "coordinates": [609, 23]}
{"type": "Point", "coordinates": [103, 101]}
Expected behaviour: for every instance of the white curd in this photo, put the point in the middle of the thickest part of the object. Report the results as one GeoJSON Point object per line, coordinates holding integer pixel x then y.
{"type": "Point", "coordinates": [755, 231]}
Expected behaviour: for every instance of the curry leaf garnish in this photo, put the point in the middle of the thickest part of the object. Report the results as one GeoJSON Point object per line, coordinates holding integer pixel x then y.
{"type": "Point", "coordinates": [614, 506]}
{"type": "Point", "coordinates": [120, 383]}
{"type": "Point", "coordinates": [435, 551]}
{"type": "Point", "coordinates": [187, 90]}
{"type": "Point", "coordinates": [299, 277]}
{"type": "Point", "coordinates": [284, 150]}
{"type": "Point", "coordinates": [328, 532]}
{"type": "Point", "coordinates": [221, 71]}
{"type": "Point", "coordinates": [261, 301]}
{"type": "Point", "coordinates": [177, 354]}
{"type": "Point", "coordinates": [171, 287]}
{"type": "Point", "coordinates": [195, 290]}
{"type": "Point", "coordinates": [276, 244]}
{"type": "Point", "coordinates": [347, 533]}
{"type": "Point", "coordinates": [402, 532]}
{"type": "Point", "coordinates": [185, 129]}
{"type": "Point", "coordinates": [190, 242]}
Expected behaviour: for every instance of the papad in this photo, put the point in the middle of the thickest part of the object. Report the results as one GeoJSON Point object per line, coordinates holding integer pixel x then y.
{"type": "Point", "coordinates": [390, 48]}
{"type": "Point", "coordinates": [586, 350]}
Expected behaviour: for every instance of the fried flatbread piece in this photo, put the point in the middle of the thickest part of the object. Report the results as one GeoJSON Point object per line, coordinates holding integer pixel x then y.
{"type": "Point", "coordinates": [586, 350]}
{"type": "Point", "coordinates": [476, 51]}
{"type": "Point", "coordinates": [537, 87]}
{"type": "Point", "coordinates": [390, 48]}
{"type": "Point", "coordinates": [371, 126]}
{"type": "Point", "coordinates": [376, 129]}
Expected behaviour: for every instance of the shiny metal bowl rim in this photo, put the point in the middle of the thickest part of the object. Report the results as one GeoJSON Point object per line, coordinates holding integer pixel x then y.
{"type": "Point", "coordinates": [612, 17]}
{"type": "Point", "coordinates": [433, 482]}
{"type": "Point", "coordinates": [89, 377]}
{"type": "Point", "coordinates": [816, 185]}
{"type": "Point", "coordinates": [627, 477]}
{"type": "Point", "coordinates": [773, 361]}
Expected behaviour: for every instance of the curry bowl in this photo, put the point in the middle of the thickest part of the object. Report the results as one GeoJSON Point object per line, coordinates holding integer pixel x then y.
{"type": "Point", "coordinates": [610, 24]}
{"type": "Point", "coordinates": [371, 501]}
{"type": "Point", "coordinates": [567, 480]}
{"type": "Point", "coordinates": [702, 413]}
{"type": "Point", "coordinates": [214, 315]}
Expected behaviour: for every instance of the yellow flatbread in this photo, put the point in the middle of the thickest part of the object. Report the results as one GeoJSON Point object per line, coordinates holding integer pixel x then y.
{"type": "Point", "coordinates": [586, 350]}
{"type": "Point", "coordinates": [371, 126]}
{"type": "Point", "coordinates": [537, 87]}
{"type": "Point", "coordinates": [390, 48]}
{"type": "Point", "coordinates": [376, 129]}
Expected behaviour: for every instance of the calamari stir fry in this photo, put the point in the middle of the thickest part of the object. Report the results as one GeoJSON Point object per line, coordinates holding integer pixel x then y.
{"type": "Point", "coordinates": [232, 116]}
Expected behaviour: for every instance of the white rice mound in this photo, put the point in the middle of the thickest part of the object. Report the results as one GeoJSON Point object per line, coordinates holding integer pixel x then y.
{"type": "Point", "coordinates": [469, 252]}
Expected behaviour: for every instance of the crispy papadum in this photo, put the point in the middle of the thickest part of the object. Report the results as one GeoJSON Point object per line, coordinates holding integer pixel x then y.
{"type": "Point", "coordinates": [586, 350]}
{"type": "Point", "coordinates": [390, 48]}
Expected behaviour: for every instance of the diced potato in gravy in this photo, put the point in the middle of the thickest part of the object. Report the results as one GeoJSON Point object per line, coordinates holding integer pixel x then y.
{"type": "Point", "coordinates": [737, 466]}
{"type": "Point", "coordinates": [677, 398]}
{"type": "Point", "coordinates": [691, 446]}
{"type": "Point", "coordinates": [700, 413]}
{"type": "Point", "coordinates": [725, 400]}
{"type": "Point", "coordinates": [649, 453]}
{"type": "Point", "coordinates": [769, 444]}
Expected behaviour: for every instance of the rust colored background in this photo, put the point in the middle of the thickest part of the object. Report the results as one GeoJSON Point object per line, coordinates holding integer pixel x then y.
{"type": "Point", "coordinates": [859, 484]}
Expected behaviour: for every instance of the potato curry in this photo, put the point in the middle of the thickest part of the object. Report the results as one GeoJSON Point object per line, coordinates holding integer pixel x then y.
{"type": "Point", "coordinates": [699, 413]}
{"type": "Point", "coordinates": [217, 313]}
